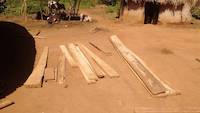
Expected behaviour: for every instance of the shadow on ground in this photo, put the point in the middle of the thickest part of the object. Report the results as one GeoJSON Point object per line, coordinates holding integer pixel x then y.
{"type": "Point", "coordinates": [17, 48]}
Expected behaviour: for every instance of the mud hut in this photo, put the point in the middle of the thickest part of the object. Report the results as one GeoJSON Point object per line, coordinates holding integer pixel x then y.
{"type": "Point", "coordinates": [150, 11]}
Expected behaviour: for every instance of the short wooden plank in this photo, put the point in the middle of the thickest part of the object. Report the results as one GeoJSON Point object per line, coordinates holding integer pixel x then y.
{"type": "Point", "coordinates": [99, 72]}
{"type": "Point", "coordinates": [68, 56]}
{"type": "Point", "coordinates": [149, 79]}
{"type": "Point", "coordinates": [109, 70]}
{"type": "Point", "coordinates": [35, 79]}
{"type": "Point", "coordinates": [5, 103]}
{"type": "Point", "coordinates": [61, 69]}
{"type": "Point", "coordinates": [49, 74]}
{"type": "Point", "coordinates": [83, 64]}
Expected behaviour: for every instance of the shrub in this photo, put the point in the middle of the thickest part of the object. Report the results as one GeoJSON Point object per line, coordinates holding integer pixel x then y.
{"type": "Point", "coordinates": [195, 11]}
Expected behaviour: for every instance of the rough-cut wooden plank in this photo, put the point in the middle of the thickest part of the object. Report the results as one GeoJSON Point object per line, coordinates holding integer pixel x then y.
{"type": "Point", "coordinates": [4, 103]}
{"type": "Point", "coordinates": [35, 79]}
{"type": "Point", "coordinates": [148, 78]}
{"type": "Point", "coordinates": [83, 64]}
{"type": "Point", "coordinates": [109, 70]}
{"type": "Point", "coordinates": [49, 74]}
{"type": "Point", "coordinates": [93, 75]}
{"type": "Point", "coordinates": [68, 56]}
{"type": "Point", "coordinates": [61, 69]}
{"type": "Point", "coordinates": [99, 72]}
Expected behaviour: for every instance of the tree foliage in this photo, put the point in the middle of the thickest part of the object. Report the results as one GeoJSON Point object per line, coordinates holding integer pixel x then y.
{"type": "Point", "coordinates": [14, 7]}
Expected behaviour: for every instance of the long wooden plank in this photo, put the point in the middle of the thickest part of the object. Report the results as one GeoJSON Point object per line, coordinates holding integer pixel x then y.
{"type": "Point", "coordinates": [61, 69]}
{"type": "Point", "coordinates": [109, 70]}
{"type": "Point", "coordinates": [148, 78]}
{"type": "Point", "coordinates": [35, 79]}
{"type": "Point", "coordinates": [4, 103]}
{"type": "Point", "coordinates": [99, 72]}
{"type": "Point", "coordinates": [68, 56]}
{"type": "Point", "coordinates": [83, 64]}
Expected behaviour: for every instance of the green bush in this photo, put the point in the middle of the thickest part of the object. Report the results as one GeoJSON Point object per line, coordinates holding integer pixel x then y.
{"type": "Point", "coordinates": [195, 11]}
{"type": "Point", "coordinates": [14, 6]}
{"type": "Point", "coordinates": [113, 9]}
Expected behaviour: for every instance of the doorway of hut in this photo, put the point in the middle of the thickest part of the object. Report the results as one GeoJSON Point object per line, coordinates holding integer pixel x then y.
{"type": "Point", "coordinates": [151, 12]}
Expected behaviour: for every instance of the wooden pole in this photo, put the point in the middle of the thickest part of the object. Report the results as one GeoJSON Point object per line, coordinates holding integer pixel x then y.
{"type": "Point", "coordinates": [78, 6]}
{"type": "Point", "coordinates": [25, 10]}
{"type": "Point", "coordinates": [121, 9]}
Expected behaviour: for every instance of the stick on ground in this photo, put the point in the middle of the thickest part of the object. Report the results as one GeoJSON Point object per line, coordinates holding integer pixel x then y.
{"type": "Point", "coordinates": [5, 103]}
{"type": "Point", "coordinates": [98, 48]}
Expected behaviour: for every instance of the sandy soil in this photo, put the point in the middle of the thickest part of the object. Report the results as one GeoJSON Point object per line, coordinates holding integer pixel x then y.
{"type": "Point", "coordinates": [170, 51]}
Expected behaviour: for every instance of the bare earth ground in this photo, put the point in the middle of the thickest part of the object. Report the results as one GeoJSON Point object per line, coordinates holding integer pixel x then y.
{"type": "Point", "coordinates": [170, 51]}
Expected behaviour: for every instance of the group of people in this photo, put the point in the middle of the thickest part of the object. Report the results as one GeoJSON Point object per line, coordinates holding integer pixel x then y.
{"type": "Point", "coordinates": [58, 12]}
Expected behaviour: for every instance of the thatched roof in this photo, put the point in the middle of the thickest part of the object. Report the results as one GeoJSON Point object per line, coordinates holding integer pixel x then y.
{"type": "Point", "coordinates": [174, 2]}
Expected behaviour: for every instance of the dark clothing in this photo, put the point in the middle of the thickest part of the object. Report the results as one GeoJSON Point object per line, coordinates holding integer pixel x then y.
{"type": "Point", "coordinates": [151, 12]}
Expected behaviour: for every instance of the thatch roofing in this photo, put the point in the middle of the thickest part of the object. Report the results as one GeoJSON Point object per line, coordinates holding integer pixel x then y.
{"type": "Point", "coordinates": [174, 2]}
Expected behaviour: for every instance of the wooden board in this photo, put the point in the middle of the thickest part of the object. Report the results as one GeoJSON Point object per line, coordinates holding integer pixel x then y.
{"type": "Point", "coordinates": [83, 64]}
{"type": "Point", "coordinates": [99, 72]}
{"type": "Point", "coordinates": [109, 70]}
{"type": "Point", "coordinates": [149, 79]}
{"type": "Point", "coordinates": [49, 74]}
{"type": "Point", "coordinates": [35, 79]}
{"type": "Point", "coordinates": [68, 56]}
{"type": "Point", "coordinates": [61, 69]}
{"type": "Point", "coordinates": [4, 103]}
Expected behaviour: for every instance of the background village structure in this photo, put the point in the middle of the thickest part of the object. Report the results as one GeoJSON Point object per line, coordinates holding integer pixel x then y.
{"type": "Point", "coordinates": [170, 11]}
{"type": "Point", "coordinates": [100, 56]}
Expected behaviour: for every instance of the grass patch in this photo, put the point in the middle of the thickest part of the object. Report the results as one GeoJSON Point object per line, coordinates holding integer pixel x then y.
{"type": "Point", "coordinates": [113, 10]}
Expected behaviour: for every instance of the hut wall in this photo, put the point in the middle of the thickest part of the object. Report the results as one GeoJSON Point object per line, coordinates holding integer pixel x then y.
{"type": "Point", "coordinates": [168, 14]}
{"type": "Point", "coordinates": [134, 16]}
{"type": "Point", "coordinates": [176, 16]}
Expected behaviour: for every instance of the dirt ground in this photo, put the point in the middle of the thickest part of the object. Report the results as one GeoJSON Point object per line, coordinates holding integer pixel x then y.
{"type": "Point", "coordinates": [170, 51]}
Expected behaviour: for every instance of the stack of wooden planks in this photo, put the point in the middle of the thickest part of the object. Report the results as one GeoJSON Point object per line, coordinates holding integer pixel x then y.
{"type": "Point", "coordinates": [77, 55]}
{"type": "Point", "coordinates": [91, 66]}
{"type": "Point", "coordinates": [151, 82]}
{"type": "Point", "coordinates": [42, 73]}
